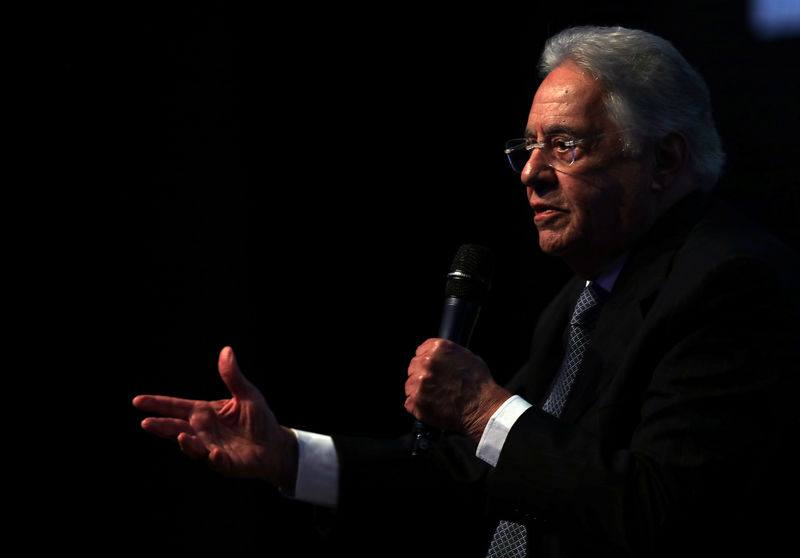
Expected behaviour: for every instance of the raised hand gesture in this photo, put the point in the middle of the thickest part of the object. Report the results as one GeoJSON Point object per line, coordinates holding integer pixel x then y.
{"type": "Point", "coordinates": [238, 436]}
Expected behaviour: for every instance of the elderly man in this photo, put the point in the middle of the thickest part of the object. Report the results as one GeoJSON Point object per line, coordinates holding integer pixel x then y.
{"type": "Point", "coordinates": [652, 416]}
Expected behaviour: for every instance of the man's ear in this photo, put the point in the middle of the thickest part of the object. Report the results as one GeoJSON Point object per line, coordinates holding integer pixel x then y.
{"type": "Point", "coordinates": [671, 157]}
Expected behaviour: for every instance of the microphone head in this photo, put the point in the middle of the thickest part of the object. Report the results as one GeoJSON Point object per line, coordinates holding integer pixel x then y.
{"type": "Point", "coordinates": [470, 273]}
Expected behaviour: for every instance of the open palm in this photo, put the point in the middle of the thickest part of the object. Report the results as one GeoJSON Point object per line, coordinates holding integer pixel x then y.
{"type": "Point", "coordinates": [239, 436]}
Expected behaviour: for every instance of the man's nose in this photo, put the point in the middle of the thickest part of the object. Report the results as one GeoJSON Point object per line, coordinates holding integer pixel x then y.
{"type": "Point", "coordinates": [537, 169]}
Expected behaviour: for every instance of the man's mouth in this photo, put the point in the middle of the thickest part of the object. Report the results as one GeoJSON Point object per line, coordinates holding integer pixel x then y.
{"type": "Point", "coordinates": [544, 212]}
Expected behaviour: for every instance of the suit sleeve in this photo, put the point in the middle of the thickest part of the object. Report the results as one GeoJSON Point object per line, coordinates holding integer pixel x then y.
{"type": "Point", "coordinates": [428, 505]}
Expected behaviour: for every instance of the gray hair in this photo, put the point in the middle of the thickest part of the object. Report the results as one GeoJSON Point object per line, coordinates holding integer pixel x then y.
{"type": "Point", "coordinates": [651, 90]}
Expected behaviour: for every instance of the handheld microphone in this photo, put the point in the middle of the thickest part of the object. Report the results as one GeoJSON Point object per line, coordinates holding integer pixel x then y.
{"type": "Point", "coordinates": [467, 285]}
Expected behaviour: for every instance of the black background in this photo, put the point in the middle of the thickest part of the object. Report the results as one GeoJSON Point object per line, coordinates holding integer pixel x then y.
{"type": "Point", "coordinates": [293, 182]}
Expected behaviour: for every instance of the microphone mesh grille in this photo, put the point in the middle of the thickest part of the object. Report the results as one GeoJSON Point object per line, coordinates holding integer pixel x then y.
{"type": "Point", "coordinates": [470, 273]}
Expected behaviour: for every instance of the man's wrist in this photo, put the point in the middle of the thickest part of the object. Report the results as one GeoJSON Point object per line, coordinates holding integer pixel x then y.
{"type": "Point", "coordinates": [492, 400]}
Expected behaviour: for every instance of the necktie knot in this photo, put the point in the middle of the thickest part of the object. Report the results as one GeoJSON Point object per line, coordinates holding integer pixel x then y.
{"type": "Point", "coordinates": [588, 306]}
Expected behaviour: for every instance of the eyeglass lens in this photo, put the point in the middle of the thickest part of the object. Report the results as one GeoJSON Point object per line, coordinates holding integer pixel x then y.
{"type": "Point", "coordinates": [518, 154]}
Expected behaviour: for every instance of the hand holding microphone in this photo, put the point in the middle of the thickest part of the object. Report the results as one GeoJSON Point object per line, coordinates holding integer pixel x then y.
{"type": "Point", "coordinates": [449, 387]}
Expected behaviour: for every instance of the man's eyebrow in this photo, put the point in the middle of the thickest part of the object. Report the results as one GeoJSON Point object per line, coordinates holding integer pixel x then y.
{"type": "Point", "coordinates": [554, 130]}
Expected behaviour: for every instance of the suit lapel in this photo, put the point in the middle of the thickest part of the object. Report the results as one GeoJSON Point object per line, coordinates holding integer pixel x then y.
{"type": "Point", "coordinates": [547, 350]}
{"type": "Point", "coordinates": [622, 317]}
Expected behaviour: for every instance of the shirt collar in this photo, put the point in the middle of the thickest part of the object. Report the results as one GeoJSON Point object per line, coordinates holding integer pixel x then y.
{"type": "Point", "coordinates": [609, 275]}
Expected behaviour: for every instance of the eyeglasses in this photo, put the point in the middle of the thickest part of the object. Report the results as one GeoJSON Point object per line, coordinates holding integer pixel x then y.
{"type": "Point", "coordinates": [558, 151]}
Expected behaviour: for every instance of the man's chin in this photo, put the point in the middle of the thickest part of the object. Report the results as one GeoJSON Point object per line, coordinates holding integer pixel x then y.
{"type": "Point", "coordinates": [553, 244]}
{"type": "Point", "coordinates": [580, 258]}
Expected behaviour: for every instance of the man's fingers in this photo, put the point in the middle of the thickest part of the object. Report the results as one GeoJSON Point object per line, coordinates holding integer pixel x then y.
{"type": "Point", "coordinates": [174, 429]}
{"type": "Point", "coordinates": [229, 371]}
{"type": "Point", "coordinates": [219, 460]}
{"type": "Point", "coordinates": [169, 428]}
{"type": "Point", "coordinates": [164, 406]}
{"type": "Point", "coordinates": [192, 445]}
{"type": "Point", "coordinates": [177, 429]}
{"type": "Point", "coordinates": [427, 346]}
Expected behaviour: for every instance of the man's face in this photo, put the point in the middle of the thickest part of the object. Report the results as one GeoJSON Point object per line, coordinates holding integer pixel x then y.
{"type": "Point", "coordinates": [589, 212]}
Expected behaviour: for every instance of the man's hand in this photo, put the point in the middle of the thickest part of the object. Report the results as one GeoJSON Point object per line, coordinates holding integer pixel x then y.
{"type": "Point", "coordinates": [238, 436]}
{"type": "Point", "coordinates": [449, 387]}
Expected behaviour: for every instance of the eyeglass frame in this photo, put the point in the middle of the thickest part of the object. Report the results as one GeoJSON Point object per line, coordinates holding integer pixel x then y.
{"type": "Point", "coordinates": [571, 143]}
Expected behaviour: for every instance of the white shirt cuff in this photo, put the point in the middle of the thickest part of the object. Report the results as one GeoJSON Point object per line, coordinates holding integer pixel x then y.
{"type": "Point", "coordinates": [317, 469]}
{"type": "Point", "coordinates": [494, 436]}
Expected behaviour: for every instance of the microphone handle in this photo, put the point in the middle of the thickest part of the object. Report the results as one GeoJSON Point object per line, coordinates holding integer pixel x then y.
{"type": "Point", "coordinates": [458, 320]}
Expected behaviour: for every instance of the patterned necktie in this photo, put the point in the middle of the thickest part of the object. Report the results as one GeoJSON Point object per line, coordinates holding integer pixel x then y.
{"type": "Point", "coordinates": [580, 331]}
{"type": "Point", "coordinates": [510, 538]}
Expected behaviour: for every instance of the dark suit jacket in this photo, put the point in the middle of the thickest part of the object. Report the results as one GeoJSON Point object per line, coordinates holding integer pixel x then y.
{"type": "Point", "coordinates": [679, 432]}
